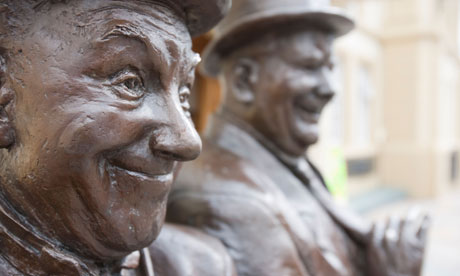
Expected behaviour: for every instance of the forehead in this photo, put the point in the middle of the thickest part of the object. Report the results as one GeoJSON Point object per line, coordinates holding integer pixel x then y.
{"type": "Point", "coordinates": [149, 19]}
{"type": "Point", "coordinates": [162, 30]}
{"type": "Point", "coordinates": [304, 44]}
{"type": "Point", "coordinates": [84, 20]}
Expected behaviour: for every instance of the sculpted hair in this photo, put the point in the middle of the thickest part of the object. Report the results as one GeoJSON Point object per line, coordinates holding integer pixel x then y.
{"type": "Point", "coordinates": [16, 16]}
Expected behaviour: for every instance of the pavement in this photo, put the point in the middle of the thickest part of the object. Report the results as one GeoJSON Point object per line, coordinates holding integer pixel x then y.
{"type": "Point", "coordinates": [443, 250]}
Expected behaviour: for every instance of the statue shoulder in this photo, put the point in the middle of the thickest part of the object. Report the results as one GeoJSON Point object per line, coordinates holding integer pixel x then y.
{"type": "Point", "coordinates": [184, 251]}
{"type": "Point", "coordinates": [7, 269]}
{"type": "Point", "coordinates": [219, 170]}
{"type": "Point", "coordinates": [222, 188]}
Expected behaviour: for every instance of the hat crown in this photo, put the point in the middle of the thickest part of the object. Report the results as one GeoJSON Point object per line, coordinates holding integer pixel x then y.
{"type": "Point", "coordinates": [247, 8]}
{"type": "Point", "coordinates": [253, 6]}
{"type": "Point", "coordinates": [249, 19]}
{"type": "Point", "coordinates": [202, 15]}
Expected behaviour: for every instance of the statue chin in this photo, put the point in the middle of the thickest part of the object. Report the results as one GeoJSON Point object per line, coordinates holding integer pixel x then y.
{"type": "Point", "coordinates": [111, 241]}
{"type": "Point", "coordinates": [306, 139]}
{"type": "Point", "coordinates": [112, 248]}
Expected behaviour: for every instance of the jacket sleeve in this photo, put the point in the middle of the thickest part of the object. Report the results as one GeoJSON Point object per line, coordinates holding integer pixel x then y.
{"type": "Point", "coordinates": [247, 226]}
{"type": "Point", "coordinates": [184, 251]}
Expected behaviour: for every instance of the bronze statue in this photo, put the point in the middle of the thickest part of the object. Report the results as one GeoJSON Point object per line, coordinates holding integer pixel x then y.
{"type": "Point", "coordinates": [93, 122]}
{"type": "Point", "coordinates": [253, 187]}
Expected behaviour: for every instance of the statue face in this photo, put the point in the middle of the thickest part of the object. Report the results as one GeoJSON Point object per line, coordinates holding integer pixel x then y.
{"type": "Point", "coordinates": [101, 119]}
{"type": "Point", "coordinates": [292, 89]}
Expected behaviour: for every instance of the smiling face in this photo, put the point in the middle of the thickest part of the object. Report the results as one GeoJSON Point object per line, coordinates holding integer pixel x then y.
{"type": "Point", "coordinates": [292, 88]}
{"type": "Point", "coordinates": [101, 119]}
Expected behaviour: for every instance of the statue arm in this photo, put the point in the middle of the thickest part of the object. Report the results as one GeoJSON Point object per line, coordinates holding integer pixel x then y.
{"type": "Point", "coordinates": [392, 248]}
{"type": "Point", "coordinates": [184, 251]}
{"type": "Point", "coordinates": [254, 236]}
{"type": "Point", "coordinates": [396, 246]}
{"type": "Point", "coordinates": [358, 228]}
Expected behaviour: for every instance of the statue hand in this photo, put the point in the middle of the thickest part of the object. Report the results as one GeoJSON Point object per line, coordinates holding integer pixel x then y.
{"type": "Point", "coordinates": [396, 246]}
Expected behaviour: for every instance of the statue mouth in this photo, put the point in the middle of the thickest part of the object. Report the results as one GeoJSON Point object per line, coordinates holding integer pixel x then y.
{"type": "Point", "coordinates": [149, 180]}
{"type": "Point", "coordinates": [154, 177]}
{"type": "Point", "coordinates": [310, 114]}
{"type": "Point", "coordinates": [159, 176]}
{"type": "Point", "coordinates": [142, 164]}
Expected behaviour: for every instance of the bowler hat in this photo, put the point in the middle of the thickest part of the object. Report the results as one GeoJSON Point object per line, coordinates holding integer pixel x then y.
{"type": "Point", "coordinates": [202, 15]}
{"type": "Point", "coordinates": [249, 19]}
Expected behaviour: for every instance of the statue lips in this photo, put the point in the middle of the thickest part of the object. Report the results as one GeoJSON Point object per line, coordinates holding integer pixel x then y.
{"type": "Point", "coordinates": [142, 172]}
{"type": "Point", "coordinates": [309, 110]}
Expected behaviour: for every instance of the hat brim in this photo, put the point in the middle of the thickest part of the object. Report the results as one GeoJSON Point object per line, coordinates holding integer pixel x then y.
{"type": "Point", "coordinates": [331, 21]}
{"type": "Point", "coordinates": [203, 15]}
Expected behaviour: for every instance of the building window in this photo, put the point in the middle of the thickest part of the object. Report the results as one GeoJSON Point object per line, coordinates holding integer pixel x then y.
{"type": "Point", "coordinates": [333, 121]}
{"type": "Point", "coordinates": [363, 107]}
{"type": "Point", "coordinates": [458, 28]}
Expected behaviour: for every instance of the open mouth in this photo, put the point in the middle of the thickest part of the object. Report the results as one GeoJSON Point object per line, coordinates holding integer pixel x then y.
{"type": "Point", "coordinates": [308, 113]}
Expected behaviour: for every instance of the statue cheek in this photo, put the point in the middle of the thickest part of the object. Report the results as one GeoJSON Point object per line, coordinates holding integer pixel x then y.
{"type": "Point", "coordinates": [7, 136]}
{"type": "Point", "coordinates": [7, 133]}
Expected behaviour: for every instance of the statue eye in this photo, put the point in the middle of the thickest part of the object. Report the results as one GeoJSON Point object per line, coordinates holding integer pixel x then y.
{"type": "Point", "coordinates": [310, 67]}
{"type": "Point", "coordinates": [132, 84]}
{"type": "Point", "coordinates": [128, 85]}
{"type": "Point", "coordinates": [184, 95]}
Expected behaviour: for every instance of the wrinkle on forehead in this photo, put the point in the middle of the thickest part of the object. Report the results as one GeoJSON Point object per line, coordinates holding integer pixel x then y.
{"type": "Point", "coordinates": [167, 54]}
{"type": "Point", "coordinates": [163, 33]}
{"type": "Point", "coordinates": [122, 28]}
{"type": "Point", "coordinates": [297, 45]}
{"type": "Point", "coordinates": [309, 45]}
{"type": "Point", "coordinates": [160, 17]}
{"type": "Point", "coordinates": [271, 42]}
{"type": "Point", "coordinates": [157, 25]}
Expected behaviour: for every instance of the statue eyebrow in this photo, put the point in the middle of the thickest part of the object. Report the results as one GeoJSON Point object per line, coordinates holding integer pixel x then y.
{"type": "Point", "coordinates": [196, 60]}
{"type": "Point", "coordinates": [133, 9]}
{"type": "Point", "coordinates": [127, 31]}
{"type": "Point", "coordinates": [132, 32]}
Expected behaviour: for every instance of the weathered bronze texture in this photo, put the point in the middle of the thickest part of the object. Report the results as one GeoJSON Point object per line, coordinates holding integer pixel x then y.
{"type": "Point", "coordinates": [253, 186]}
{"type": "Point", "coordinates": [93, 123]}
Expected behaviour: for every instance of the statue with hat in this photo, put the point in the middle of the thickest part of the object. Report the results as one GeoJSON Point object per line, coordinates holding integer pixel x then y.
{"type": "Point", "coordinates": [94, 120]}
{"type": "Point", "coordinates": [253, 186]}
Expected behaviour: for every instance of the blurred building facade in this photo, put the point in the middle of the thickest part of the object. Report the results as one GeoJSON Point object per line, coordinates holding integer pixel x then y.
{"type": "Point", "coordinates": [395, 119]}
{"type": "Point", "coordinates": [396, 114]}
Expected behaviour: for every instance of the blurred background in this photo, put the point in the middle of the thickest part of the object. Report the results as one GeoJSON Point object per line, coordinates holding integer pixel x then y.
{"type": "Point", "coordinates": [390, 138]}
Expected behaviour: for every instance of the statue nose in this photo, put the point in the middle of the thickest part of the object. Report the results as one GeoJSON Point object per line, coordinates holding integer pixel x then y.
{"type": "Point", "coordinates": [325, 91]}
{"type": "Point", "coordinates": [177, 141]}
{"type": "Point", "coordinates": [324, 87]}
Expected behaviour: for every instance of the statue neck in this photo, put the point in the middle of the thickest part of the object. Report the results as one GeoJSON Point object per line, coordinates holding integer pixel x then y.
{"type": "Point", "coordinates": [258, 136]}
{"type": "Point", "coordinates": [30, 253]}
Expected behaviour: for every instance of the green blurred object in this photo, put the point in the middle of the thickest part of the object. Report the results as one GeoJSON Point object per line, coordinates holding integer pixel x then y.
{"type": "Point", "coordinates": [336, 175]}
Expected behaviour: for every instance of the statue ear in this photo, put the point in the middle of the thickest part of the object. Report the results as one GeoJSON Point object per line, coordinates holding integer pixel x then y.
{"type": "Point", "coordinates": [6, 130]}
{"type": "Point", "coordinates": [245, 77]}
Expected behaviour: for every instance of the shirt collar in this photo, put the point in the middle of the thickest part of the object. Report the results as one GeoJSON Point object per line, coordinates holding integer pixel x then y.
{"type": "Point", "coordinates": [32, 254]}
{"type": "Point", "coordinates": [250, 133]}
